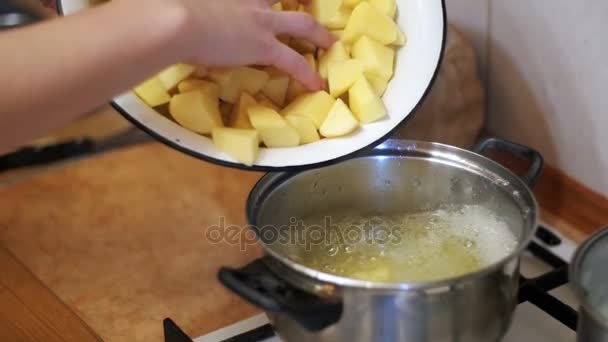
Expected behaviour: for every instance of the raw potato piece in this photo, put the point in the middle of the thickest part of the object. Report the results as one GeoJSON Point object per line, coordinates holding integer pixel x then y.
{"type": "Point", "coordinates": [174, 74]}
{"type": "Point", "coordinates": [296, 88]}
{"type": "Point", "coordinates": [306, 129]}
{"type": "Point", "coordinates": [367, 20]}
{"type": "Point", "coordinates": [264, 101]}
{"type": "Point", "coordinates": [324, 10]}
{"type": "Point", "coordinates": [365, 103]}
{"type": "Point", "coordinates": [196, 111]}
{"type": "Point", "coordinates": [351, 3]}
{"type": "Point", "coordinates": [340, 121]}
{"type": "Point", "coordinates": [376, 58]}
{"type": "Point", "coordinates": [152, 92]}
{"type": "Point", "coordinates": [378, 84]}
{"type": "Point", "coordinates": [276, 88]}
{"type": "Point", "coordinates": [273, 128]}
{"type": "Point", "coordinates": [337, 53]}
{"type": "Point", "coordinates": [339, 20]}
{"type": "Point", "coordinates": [234, 81]}
{"type": "Point", "coordinates": [241, 144]}
{"type": "Point", "coordinates": [388, 7]}
{"type": "Point", "coordinates": [313, 105]}
{"type": "Point", "coordinates": [205, 86]}
{"type": "Point", "coordinates": [342, 75]}
{"type": "Point", "coordinates": [401, 38]}
{"type": "Point", "coordinates": [240, 116]}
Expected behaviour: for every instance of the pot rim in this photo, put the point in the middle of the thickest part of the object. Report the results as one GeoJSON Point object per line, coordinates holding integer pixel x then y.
{"type": "Point", "coordinates": [575, 275]}
{"type": "Point", "coordinates": [407, 286]}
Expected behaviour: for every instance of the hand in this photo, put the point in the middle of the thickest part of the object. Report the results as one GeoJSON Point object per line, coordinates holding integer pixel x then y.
{"type": "Point", "coordinates": [243, 32]}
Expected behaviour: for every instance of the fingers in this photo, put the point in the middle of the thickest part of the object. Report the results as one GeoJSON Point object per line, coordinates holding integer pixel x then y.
{"type": "Point", "coordinates": [301, 25]}
{"type": "Point", "coordinates": [296, 65]}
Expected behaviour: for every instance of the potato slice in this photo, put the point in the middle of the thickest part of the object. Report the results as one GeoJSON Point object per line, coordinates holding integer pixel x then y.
{"type": "Point", "coordinates": [205, 86]}
{"type": "Point", "coordinates": [378, 84]}
{"type": "Point", "coordinates": [339, 20]}
{"type": "Point", "coordinates": [152, 92]}
{"type": "Point", "coordinates": [174, 74]}
{"type": "Point", "coordinates": [313, 105]}
{"type": "Point", "coordinates": [306, 129]}
{"type": "Point", "coordinates": [401, 39]}
{"type": "Point", "coordinates": [339, 122]}
{"type": "Point", "coordinates": [337, 33]}
{"type": "Point", "coordinates": [236, 80]}
{"type": "Point", "coordinates": [324, 10]}
{"type": "Point", "coordinates": [367, 20]}
{"type": "Point", "coordinates": [342, 75]}
{"type": "Point", "coordinates": [365, 103]}
{"type": "Point", "coordinates": [226, 111]}
{"type": "Point", "coordinates": [296, 88]}
{"type": "Point", "coordinates": [351, 3]}
{"type": "Point", "coordinates": [388, 7]}
{"type": "Point", "coordinates": [273, 128]}
{"type": "Point", "coordinates": [240, 115]}
{"type": "Point", "coordinates": [337, 53]}
{"type": "Point", "coordinates": [276, 88]}
{"type": "Point", "coordinates": [241, 144]}
{"type": "Point", "coordinates": [266, 102]}
{"type": "Point", "coordinates": [196, 111]}
{"type": "Point", "coordinates": [377, 59]}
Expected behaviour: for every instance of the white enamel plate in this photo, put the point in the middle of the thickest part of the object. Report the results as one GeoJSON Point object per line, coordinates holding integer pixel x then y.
{"type": "Point", "coordinates": [423, 22]}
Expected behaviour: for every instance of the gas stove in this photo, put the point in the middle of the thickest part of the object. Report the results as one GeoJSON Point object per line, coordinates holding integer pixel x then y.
{"type": "Point", "coordinates": [545, 312]}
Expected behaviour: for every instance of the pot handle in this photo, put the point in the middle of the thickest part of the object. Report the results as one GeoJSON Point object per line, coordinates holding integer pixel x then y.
{"type": "Point", "coordinates": [257, 284]}
{"type": "Point", "coordinates": [536, 159]}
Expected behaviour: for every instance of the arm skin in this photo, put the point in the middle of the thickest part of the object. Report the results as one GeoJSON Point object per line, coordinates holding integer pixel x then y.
{"type": "Point", "coordinates": [56, 70]}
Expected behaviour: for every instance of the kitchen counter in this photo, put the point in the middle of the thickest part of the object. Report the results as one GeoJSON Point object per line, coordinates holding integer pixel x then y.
{"type": "Point", "coordinates": [121, 239]}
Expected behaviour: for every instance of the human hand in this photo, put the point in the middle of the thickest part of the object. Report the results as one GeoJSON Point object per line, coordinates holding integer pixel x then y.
{"type": "Point", "coordinates": [224, 33]}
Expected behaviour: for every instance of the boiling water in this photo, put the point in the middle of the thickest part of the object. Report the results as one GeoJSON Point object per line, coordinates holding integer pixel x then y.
{"type": "Point", "coordinates": [406, 246]}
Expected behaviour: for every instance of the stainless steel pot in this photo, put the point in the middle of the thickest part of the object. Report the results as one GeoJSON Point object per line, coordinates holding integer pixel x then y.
{"type": "Point", "coordinates": [305, 304]}
{"type": "Point", "coordinates": [589, 276]}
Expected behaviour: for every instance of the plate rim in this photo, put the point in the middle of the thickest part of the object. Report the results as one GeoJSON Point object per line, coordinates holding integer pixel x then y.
{"type": "Point", "coordinates": [300, 167]}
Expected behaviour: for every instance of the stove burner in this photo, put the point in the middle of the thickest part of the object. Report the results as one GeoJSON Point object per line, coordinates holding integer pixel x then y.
{"type": "Point", "coordinates": [534, 290]}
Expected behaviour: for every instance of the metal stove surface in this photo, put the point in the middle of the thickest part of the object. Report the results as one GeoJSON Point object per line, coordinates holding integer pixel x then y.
{"type": "Point", "coordinates": [529, 324]}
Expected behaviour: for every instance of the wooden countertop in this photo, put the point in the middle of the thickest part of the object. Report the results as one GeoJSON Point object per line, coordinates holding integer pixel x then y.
{"type": "Point", "coordinates": [121, 240]}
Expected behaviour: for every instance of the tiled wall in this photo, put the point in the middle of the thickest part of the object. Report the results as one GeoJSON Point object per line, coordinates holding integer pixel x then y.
{"type": "Point", "coordinates": [547, 70]}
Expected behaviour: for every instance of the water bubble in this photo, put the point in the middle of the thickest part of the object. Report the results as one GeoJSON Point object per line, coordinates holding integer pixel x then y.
{"type": "Point", "coordinates": [411, 147]}
{"type": "Point", "coordinates": [516, 193]}
{"type": "Point", "coordinates": [333, 251]}
{"type": "Point", "coordinates": [348, 249]}
{"type": "Point", "coordinates": [468, 244]}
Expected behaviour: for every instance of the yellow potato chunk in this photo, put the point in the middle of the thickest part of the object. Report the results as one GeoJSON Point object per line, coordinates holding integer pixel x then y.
{"type": "Point", "coordinates": [342, 75]}
{"type": "Point", "coordinates": [377, 59]}
{"type": "Point", "coordinates": [351, 3]}
{"type": "Point", "coordinates": [277, 6]}
{"type": "Point", "coordinates": [240, 115]}
{"type": "Point", "coordinates": [276, 88]}
{"type": "Point", "coordinates": [233, 82]}
{"type": "Point", "coordinates": [339, 122]}
{"type": "Point", "coordinates": [306, 129]}
{"type": "Point", "coordinates": [324, 10]}
{"type": "Point", "coordinates": [290, 5]}
{"type": "Point", "coordinates": [313, 105]}
{"type": "Point", "coordinates": [337, 53]}
{"type": "Point", "coordinates": [264, 101]}
{"type": "Point", "coordinates": [240, 144]}
{"type": "Point", "coordinates": [388, 7]}
{"type": "Point", "coordinates": [401, 39]}
{"type": "Point", "coordinates": [378, 84]}
{"type": "Point", "coordinates": [365, 103]}
{"type": "Point", "coordinates": [174, 74]}
{"type": "Point", "coordinates": [337, 33]}
{"type": "Point", "coordinates": [152, 92]}
{"type": "Point", "coordinates": [205, 86]}
{"type": "Point", "coordinates": [367, 20]}
{"type": "Point", "coordinates": [196, 111]}
{"type": "Point", "coordinates": [273, 128]}
{"type": "Point", "coordinates": [226, 111]}
{"type": "Point", "coordinates": [339, 20]}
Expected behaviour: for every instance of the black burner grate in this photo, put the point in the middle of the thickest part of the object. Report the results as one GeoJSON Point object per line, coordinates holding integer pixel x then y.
{"type": "Point", "coordinates": [534, 290]}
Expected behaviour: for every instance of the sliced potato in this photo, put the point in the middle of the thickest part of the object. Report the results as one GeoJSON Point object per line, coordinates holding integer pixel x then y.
{"type": "Point", "coordinates": [324, 10]}
{"type": "Point", "coordinates": [369, 21]}
{"type": "Point", "coordinates": [337, 53]}
{"type": "Point", "coordinates": [273, 128]}
{"type": "Point", "coordinates": [266, 102]}
{"type": "Point", "coordinates": [276, 88]}
{"type": "Point", "coordinates": [312, 105]}
{"type": "Point", "coordinates": [196, 111]}
{"type": "Point", "coordinates": [233, 81]}
{"type": "Point", "coordinates": [174, 74]}
{"type": "Point", "coordinates": [342, 75]}
{"type": "Point", "coordinates": [241, 144]}
{"type": "Point", "coordinates": [339, 20]}
{"type": "Point", "coordinates": [378, 84]}
{"type": "Point", "coordinates": [377, 59]}
{"type": "Point", "coordinates": [339, 122]}
{"type": "Point", "coordinates": [202, 85]}
{"type": "Point", "coordinates": [388, 7]}
{"type": "Point", "coordinates": [240, 115]}
{"type": "Point", "coordinates": [305, 127]}
{"type": "Point", "coordinates": [152, 92]}
{"type": "Point", "coordinates": [365, 103]}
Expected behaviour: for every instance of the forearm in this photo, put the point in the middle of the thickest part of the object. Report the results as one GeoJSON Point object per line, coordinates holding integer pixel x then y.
{"type": "Point", "coordinates": [65, 67]}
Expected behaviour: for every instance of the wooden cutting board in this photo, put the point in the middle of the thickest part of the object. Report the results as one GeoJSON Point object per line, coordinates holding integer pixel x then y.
{"type": "Point", "coordinates": [121, 238]}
